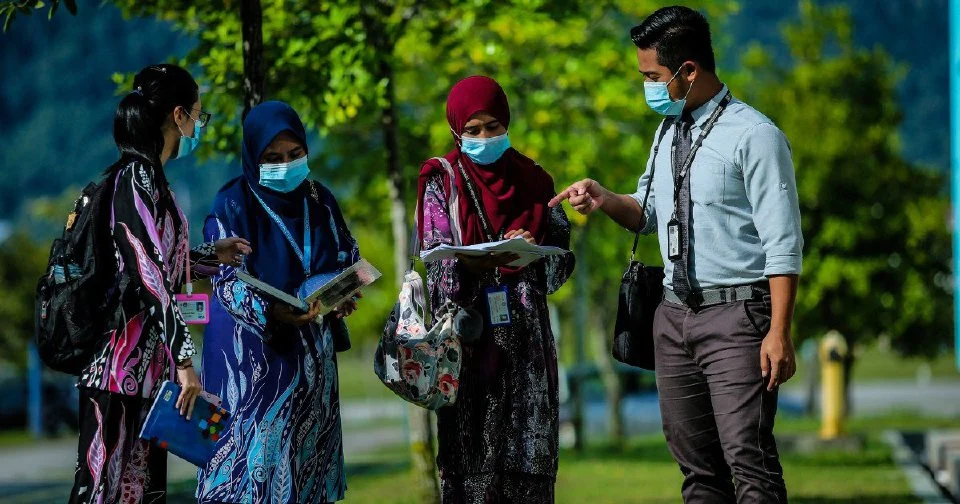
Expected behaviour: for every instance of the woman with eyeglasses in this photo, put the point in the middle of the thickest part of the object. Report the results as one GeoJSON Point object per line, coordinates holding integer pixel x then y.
{"type": "Point", "coordinates": [142, 236]}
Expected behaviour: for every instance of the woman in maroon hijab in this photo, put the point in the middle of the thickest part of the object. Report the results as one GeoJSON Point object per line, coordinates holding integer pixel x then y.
{"type": "Point", "coordinates": [498, 442]}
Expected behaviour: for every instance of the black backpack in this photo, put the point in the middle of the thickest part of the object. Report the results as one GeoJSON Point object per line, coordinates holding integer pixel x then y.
{"type": "Point", "coordinates": [71, 310]}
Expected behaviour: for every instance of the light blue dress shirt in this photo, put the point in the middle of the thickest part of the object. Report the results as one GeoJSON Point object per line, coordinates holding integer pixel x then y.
{"type": "Point", "coordinates": [745, 215]}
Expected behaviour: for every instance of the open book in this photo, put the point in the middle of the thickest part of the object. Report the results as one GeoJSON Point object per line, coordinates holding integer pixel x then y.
{"type": "Point", "coordinates": [331, 289]}
{"type": "Point", "coordinates": [528, 252]}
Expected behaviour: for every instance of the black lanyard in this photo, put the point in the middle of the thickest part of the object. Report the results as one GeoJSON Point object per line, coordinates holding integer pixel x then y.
{"type": "Point", "coordinates": [688, 162]}
{"type": "Point", "coordinates": [485, 222]}
{"type": "Point", "coordinates": [481, 212]}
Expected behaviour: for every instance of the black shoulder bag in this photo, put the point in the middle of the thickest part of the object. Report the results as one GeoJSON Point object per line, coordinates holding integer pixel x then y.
{"type": "Point", "coordinates": [641, 291]}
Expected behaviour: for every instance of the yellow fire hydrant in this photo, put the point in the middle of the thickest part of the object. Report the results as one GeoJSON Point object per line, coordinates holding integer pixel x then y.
{"type": "Point", "coordinates": [833, 351]}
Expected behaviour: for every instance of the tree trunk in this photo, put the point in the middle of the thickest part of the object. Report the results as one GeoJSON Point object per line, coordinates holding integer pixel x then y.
{"type": "Point", "coordinates": [422, 455]}
{"type": "Point", "coordinates": [581, 326]}
{"type": "Point", "coordinates": [251, 17]}
{"type": "Point", "coordinates": [611, 381]}
{"type": "Point", "coordinates": [382, 39]}
{"type": "Point", "coordinates": [395, 186]}
{"type": "Point", "coordinates": [421, 427]}
{"type": "Point", "coordinates": [600, 336]}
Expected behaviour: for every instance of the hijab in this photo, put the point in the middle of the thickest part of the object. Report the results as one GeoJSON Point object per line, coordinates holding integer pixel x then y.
{"type": "Point", "coordinates": [514, 190]}
{"type": "Point", "coordinates": [238, 207]}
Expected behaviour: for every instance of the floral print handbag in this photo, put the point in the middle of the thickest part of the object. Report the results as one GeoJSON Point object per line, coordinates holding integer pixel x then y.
{"type": "Point", "coordinates": [419, 364]}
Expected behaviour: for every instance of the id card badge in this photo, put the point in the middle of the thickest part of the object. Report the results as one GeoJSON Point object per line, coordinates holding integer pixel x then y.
{"type": "Point", "coordinates": [673, 239]}
{"type": "Point", "coordinates": [195, 308]}
{"type": "Point", "coordinates": [498, 306]}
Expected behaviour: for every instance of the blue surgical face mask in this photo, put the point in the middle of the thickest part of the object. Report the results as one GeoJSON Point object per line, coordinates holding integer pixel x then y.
{"type": "Point", "coordinates": [189, 144]}
{"type": "Point", "coordinates": [485, 151]}
{"type": "Point", "coordinates": [658, 97]}
{"type": "Point", "coordinates": [284, 177]}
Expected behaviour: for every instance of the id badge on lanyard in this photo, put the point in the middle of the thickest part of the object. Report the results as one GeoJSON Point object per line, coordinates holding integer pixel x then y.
{"type": "Point", "coordinates": [498, 305]}
{"type": "Point", "coordinates": [673, 239]}
{"type": "Point", "coordinates": [194, 308]}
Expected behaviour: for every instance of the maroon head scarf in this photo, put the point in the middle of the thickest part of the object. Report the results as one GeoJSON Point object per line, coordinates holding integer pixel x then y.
{"type": "Point", "coordinates": [514, 190]}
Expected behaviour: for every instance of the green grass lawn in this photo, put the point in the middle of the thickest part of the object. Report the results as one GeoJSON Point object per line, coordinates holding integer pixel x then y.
{"type": "Point", "coordinates": [645, 473]}
{"type": "Point", "coordinates": [14, 438]}
{"type": "Point", "coordinates": [877, 364]}
{"type": "Point", "coordinates": [357, 380]}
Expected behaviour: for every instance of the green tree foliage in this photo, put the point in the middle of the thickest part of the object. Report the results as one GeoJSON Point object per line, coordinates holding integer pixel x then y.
{"type": "Point", "coordinates": [10, 8]}
{"type": "Point", "coordinates": [877, 252]}
{"type": "Point", "coordinates": [22, 261]}
{"type": "Point", "coordinates": [568, 68]}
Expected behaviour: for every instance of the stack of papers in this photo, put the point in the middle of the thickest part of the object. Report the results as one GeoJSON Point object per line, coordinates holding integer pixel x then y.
{"type": "Point", "coordinates": [528, 252]}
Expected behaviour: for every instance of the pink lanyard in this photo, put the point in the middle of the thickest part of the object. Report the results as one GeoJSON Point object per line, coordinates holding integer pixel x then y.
{"type": "Point", "coordinates": [186, 265]}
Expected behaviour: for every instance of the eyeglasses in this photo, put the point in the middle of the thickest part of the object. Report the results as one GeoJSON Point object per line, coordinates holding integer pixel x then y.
{"type": "Point", "coordinates": [204, 117]}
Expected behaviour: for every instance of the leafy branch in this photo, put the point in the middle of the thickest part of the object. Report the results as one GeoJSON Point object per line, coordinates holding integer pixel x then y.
{"type": "Point", "coordinates": [10, 8]}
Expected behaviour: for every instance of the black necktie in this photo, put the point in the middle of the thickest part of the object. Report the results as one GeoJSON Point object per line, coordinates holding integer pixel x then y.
{"type": "Point", "coordinates": [682, 142]}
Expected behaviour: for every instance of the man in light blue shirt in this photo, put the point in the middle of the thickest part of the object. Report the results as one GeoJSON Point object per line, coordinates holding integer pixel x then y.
{"type": "Point", "coordinates": [723, 202]}
{"type": "Point", "coordinates": [746, 221]}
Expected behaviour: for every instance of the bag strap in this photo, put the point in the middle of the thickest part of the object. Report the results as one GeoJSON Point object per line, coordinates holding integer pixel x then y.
{"type": "Point", "coordinates": [415, 245]}
{"type": "Point", "coordinates": [471, 188]}
{"type": "Point", "coordinates": [653, 168]}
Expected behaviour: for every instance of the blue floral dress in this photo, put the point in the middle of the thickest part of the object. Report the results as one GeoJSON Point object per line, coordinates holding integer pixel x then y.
{"type": "Point", "coordinates": [280, 384]}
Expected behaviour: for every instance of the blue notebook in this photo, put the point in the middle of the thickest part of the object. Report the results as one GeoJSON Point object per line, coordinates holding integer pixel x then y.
{"type": "Point", "coordinates": [193, 440]}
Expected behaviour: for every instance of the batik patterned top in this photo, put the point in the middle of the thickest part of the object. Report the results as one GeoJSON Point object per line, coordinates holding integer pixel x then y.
{"type": "Point", "coordinates": [152, 247]}
{"type": "Point", "coordinates": [507, 411]}
{"type": "Point", "coordinates": [285, 442]}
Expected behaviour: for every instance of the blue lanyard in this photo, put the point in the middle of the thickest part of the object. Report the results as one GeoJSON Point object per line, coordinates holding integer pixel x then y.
{"type": "Point", "coordinates": [305, 255]}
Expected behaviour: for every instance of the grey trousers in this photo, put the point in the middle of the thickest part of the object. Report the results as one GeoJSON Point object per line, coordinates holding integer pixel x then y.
{"type": "Point", "coordinates": [717, 414]}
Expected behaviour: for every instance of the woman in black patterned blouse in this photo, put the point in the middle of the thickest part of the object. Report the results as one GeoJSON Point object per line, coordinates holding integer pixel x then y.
{"type": "Point", "coordinates": [148, 342]}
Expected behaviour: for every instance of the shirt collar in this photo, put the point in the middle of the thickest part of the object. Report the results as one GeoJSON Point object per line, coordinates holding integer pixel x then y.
{"type": "Point", "coordinates": [702, 113]}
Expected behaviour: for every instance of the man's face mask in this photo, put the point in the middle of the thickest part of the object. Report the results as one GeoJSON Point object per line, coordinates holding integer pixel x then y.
{"type": "Point", "coordinates": [658, 97]}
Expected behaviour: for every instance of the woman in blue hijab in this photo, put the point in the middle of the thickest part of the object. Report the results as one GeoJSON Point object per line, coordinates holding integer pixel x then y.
{"type": "Point", "coordinates": [274, 368]}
